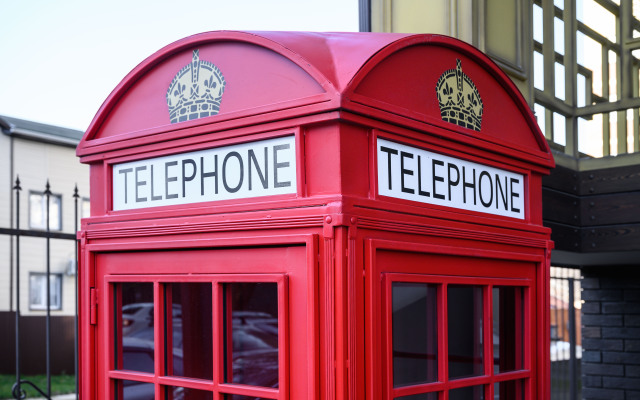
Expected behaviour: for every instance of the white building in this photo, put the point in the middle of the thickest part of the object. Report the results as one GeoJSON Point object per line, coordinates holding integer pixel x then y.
{"type": "Point", "coordinates": [38, 153]}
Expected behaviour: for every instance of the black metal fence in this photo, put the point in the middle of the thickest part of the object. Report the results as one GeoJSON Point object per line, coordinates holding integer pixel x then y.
{"type": "Point", "coordinates": [47, 235]}
{"type": "Point", "coordinates": [566, 343]}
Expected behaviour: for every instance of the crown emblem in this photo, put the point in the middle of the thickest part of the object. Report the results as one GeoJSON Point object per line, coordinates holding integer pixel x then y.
{"type": "Point", "coordinates": [196, 91]}
{"type": "Point", "coordinates": [460, 102]}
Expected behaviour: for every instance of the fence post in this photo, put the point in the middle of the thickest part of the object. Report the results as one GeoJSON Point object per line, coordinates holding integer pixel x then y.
{"type": "Point", "coordinates": [16, 391]}
{"type": "Point", "coordinates": [47, 193]}
{"type": "Point", "coordinates": [572, 342]}
{"type": "Point", "coordinates": [76, 196]}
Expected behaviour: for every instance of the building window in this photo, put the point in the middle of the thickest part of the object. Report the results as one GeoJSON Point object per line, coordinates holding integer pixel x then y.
{"type": "Point", "coordinates": [38, 291]}
{"type": "Point", "coordinates": [38, 211]}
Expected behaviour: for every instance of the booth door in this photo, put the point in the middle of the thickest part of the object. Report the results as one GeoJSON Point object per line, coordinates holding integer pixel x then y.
{"type": "Point", "coordinates": [456, 327]}
{"type": "Point", "coordinates": [201, 324]}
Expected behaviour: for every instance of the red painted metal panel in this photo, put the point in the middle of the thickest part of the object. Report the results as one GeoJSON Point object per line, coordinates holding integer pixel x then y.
{"type": "Point", "coordinates": [402, 80]}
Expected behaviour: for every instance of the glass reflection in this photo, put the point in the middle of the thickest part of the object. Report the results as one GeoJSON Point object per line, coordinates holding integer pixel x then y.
{"type": "Point", "coordinates": [134, 326]}
{"type": "Point", "coordinates": [467, 393]}
{"type": "Point", "coordinates": [508, 350]}
{"type": "Point", "coordinates": [508, 390]}
{"type": "Point", "coordinates": [133, 390]}
{"type": "Point", "coordinates": [253, 354]}
{"type": "Point", "coordinates": [414, 321]}
{"type": "Point", "coordinates": [182, 393]}
{"type": "Point", "coordinates": [420, 396]}
{"type": "Point", "coordinates": [189, 324]}
{"type": "Point", "coordinates": [465, 331]}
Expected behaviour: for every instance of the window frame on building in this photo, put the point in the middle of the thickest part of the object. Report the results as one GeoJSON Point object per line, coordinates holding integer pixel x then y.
{"type": "Point", "coordinates": [55, 291]}
{"type": "Point", "coordinates": [38, 221]}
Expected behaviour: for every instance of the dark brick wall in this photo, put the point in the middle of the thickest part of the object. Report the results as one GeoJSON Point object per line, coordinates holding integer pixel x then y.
{"type": "Point", "coordinates": [611, 333]}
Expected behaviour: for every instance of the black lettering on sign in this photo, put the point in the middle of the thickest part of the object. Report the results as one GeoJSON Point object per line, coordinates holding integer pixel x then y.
{"type": "Point", "coordinates": [224, 171]}
{"type": "Point", "coordinates": [125, 171]}
{"type": "Point", "coordinates": [436, 178]}
{"type": "Point", "coordinates": [264, 178]}
{"type": "Point", "coordinates": [277, 165]}
{"type": "Point", "coordinates": [186, 178]}
{"type": "Point", "coordinates": [389, 153]}
{"type": "Point", "coordinates": [168, 179]}
{"type": "Point", "coordinates": [514, 194]}
{"type": "Point", "coordinates": [420, 191]}
{"type": "Point", "coordinates": [213, 174]}
{"type": "Point", "coordinates": [484, 174]}
{"type": "Point", "coordinates": [468, 185]}
{"type": "Point", "coordinates": [404, 171]}
{"type": "Point", "coordinates": [140, 183]}
{"type": "Point", "coordinates": [502, 194]}
{"type": "Point", "coordinates": [452, 182]}
{"type": "Point", "coordinates": [444, 180]}
{"type": "Point", "coordinates": [153, 196]}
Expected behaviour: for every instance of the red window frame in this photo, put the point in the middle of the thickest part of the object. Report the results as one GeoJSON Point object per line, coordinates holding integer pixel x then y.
{"type": "Point", "coordinates": [443, 384]}
{"type": "Point", "coordinates": [217, 386]}
{"type": "Point", "coordinates": [445, 262]}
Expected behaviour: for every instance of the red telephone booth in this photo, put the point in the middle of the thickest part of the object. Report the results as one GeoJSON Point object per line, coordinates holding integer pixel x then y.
{"type": "Point", "coordinates": [315, 216]}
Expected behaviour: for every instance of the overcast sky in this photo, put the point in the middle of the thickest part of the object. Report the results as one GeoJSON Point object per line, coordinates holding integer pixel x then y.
{"type": "Point", "coordinates": [59, 60]}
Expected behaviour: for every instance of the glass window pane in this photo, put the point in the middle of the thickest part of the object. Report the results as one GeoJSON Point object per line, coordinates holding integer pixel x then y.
{"type": "Point", "coordinates": [133, 390]}
{"type": "Point", "coordinates": [189, 318]}
{"type": "Point", "coordinates": [508, 329]}
{"type": "Point", "coordinates": [420, 396]}
{"type": "Point", "coordinates": [415, 339]}
{"type": "Point", "coordinates": [559, 129]}
{"type": "Point", "coordinates": [465, 331]}
{"type": "Point", "coordinates": [538, 33]}
{"type": "Point", "coordinates": [182, 393]}
{"type": "Point", "coordinates": [632, 124]}
{"type": "Point", "coordinates": [558, 35]}
{"type": "Point", "coordinates": [508, 390]}
{"type": "Point", "coordinates": [581, 90]}
{"type": "Point", "coordinates": [134, 316]}
{"type": "Point", "coordinates": [38, 291]}
{"type": "Point", "coordinates": [253, 354]}
{"type": "Point", "coordinates": [597, 18]}
{"type": "Point", "coordinates": [467, 393]}
{"type": "Point", "coordinates": [590, 136]}
{"type": "Point", "coordinates": [36, 213]}
{"type": "Point", "coordinates": [590, 56]}
{"type": "Point", "coordinates": [241, 397]}
{"type": "Point", "coordinates": [613, 133]}
{"type": "Point", "coordinates": [54, 213]}
{"type": "Point", "coordinates": [538, 71]}
{"type": "Point", "coordinates": [560, 81]}
{"type": "Point", "coordinates": [613, 80]}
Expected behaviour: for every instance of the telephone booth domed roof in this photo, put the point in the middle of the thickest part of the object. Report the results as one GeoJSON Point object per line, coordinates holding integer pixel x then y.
{"type": "Point", "coordinates": [230, 79]}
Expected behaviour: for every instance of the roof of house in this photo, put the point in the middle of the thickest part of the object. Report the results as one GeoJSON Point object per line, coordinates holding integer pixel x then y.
{"type": "Point", "coordinates": [40, 132]}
